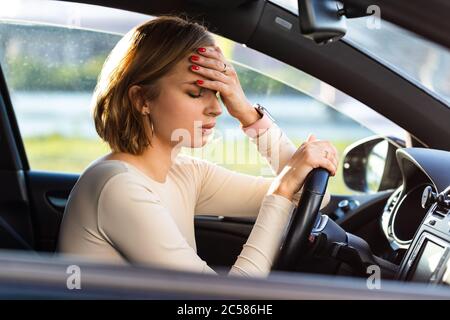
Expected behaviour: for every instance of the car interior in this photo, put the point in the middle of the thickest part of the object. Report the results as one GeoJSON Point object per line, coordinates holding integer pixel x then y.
{"type": "Point", "coordinates": [403, 227]}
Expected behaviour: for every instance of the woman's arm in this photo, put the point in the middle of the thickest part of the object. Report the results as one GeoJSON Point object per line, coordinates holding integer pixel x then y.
{"type": "Point", "coordinates": [272, 143]}
{"type": "Point", "coordinates": [132, 218]}
{"type": "Point", "coordinates": [276, 147]}
{"type": "Point", "coordinates": [135, 222]}
{"type": "Point", "coordinates": [228, 193]}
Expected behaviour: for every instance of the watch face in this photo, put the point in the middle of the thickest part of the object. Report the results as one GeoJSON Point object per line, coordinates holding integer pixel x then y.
{"type": "Point", "coordinates": [260, 111]}
{"type": "Point", "coordinates": [263, 111]}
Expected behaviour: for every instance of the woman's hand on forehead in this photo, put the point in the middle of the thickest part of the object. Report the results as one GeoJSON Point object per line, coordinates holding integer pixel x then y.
{"type": "Point", "coordinates": [217, 74]}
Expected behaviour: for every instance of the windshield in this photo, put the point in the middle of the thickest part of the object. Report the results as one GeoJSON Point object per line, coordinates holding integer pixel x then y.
{"type": "Point", "coordinates": [420, 61]}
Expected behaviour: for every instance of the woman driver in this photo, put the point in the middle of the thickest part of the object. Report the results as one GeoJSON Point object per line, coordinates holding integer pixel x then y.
{"type": "Point", "coordinates": [157, 92]}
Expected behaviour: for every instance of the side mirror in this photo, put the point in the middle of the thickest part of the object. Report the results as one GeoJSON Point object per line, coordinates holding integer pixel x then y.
{"type": "Point", "coordinates": [321, 21]}
{"type": "Point", "coordinates": [370, 165]}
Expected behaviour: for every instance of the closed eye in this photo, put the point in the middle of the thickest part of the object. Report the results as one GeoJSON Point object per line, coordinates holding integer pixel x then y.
{"type": "Point", "coordinates": [193, 95]}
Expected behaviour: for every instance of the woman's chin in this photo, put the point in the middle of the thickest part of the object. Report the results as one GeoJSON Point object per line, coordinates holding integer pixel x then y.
{"type": "Point", "coordinates": [201, 143]}
{"type": "Point", "coordinates": [202, 138]}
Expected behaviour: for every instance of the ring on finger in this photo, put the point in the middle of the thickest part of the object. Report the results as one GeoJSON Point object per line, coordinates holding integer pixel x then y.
{"type": "Point", "coordinates": [224, 68]}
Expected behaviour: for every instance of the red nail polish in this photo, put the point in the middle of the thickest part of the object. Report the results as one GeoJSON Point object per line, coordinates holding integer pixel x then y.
{"type": "Point", "coordinates": [194, 58]}
{"type": "Point", "coordinates": [194, 67]}
{"type": "Point", "coordinates": [199, 81]}
{"type": "Point", "coordinates": [201, 49]}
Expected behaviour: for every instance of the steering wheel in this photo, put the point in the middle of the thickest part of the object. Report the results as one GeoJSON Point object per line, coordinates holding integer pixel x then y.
{"type": "Point", "coordinates": [302, 221]}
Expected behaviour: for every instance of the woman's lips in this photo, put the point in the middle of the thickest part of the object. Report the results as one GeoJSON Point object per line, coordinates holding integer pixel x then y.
{"type": "Point", "coordinates": [207, 128]}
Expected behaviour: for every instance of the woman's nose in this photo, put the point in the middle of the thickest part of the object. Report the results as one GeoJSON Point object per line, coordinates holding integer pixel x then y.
{"type": "Point", "coordinates": [214, 109]}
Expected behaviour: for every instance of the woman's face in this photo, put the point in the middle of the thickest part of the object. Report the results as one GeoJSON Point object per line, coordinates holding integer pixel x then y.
{"type": "Point", "coordinates": [182, 108]}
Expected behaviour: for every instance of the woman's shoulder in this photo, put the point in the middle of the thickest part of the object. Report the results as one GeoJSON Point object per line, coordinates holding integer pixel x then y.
{"type": "Point", "coordinates": [119, 174]}
{"type": "Point", "coordinates": [115, 180]}
{"type": "Point", "coordinates": [108, 172]}
{"type": "Point", "coordinates": [104, 170]}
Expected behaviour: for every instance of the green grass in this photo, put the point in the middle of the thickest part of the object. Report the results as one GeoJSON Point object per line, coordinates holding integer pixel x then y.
{"type": "Point", "coordinates": [57, 153]}
{"type": "Point", "coordinates": [62, 154]}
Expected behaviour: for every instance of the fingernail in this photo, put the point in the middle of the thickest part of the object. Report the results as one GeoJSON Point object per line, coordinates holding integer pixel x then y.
{"type": "Point", "coordinates": [199, 81]}
{"type": "Point", "coordinates": [194, 58]}
{"type": "Point", "coordinates": [201, 49]}
{"type": "Point", "coordinates": [194, 67]}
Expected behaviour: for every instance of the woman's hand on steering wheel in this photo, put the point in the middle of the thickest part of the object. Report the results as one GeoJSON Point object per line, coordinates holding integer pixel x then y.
{"type": "Point", "coordinates": [310, 155]}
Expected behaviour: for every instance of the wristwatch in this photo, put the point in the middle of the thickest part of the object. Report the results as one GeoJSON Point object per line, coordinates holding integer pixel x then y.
{"type": "Point", "coordinates": [261, 125]}
{"type": "Point", "coordinates": [262, 111]}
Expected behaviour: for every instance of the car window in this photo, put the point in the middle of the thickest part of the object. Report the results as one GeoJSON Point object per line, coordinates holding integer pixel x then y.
{"type": "Point", "coordinates": [51, 73]}
{"type": "Point", "coordinates": [427, 66]}
{"type": "Point", "coordinates": [51, 70]}
{"type": "Point", "coordinates": [51, 54]}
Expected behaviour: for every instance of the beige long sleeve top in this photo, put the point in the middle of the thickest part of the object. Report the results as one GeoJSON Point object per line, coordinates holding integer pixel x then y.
{"type": "Point", "coordinates": [116, 213]}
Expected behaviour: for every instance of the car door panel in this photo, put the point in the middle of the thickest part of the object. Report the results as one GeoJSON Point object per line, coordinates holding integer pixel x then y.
{"type": "Point", "coordinates": [220, 240]}
{"type": "Point", "coordinates": [48, 194]}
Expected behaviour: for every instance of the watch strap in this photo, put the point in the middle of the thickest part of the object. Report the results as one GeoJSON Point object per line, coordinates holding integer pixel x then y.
{"type": "Point", "coordinates": [259, 126]}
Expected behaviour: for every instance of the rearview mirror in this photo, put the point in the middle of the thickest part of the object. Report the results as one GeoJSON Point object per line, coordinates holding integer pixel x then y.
{"type": "Point", "coordinates": [370, 165]}
{"type": "Point", "coordinates": [321, 20]}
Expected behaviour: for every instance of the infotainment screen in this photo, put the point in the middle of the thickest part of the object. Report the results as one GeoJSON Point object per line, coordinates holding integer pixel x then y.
{"type": "Point", "coordinates": [428, 259]}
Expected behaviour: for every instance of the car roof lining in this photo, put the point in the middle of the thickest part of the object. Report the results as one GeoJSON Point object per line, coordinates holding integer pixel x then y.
{"type": "Point", "coordinates": [428, 19]}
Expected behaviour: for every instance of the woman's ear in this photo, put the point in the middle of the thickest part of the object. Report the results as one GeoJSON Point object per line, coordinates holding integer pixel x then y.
{"type": "Point", "coordinates": [138, 100]}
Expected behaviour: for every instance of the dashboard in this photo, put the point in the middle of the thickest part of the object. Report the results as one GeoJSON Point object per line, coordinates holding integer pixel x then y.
{"type": "Point", "coordinates": [416, 218]}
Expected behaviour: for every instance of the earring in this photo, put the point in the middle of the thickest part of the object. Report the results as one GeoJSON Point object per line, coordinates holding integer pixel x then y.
{"type": "Point", "coordinates": [151, 127]}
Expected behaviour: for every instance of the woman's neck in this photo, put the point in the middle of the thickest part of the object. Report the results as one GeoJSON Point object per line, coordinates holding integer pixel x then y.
{"type": "Point", "coordinates": [158, 159]}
